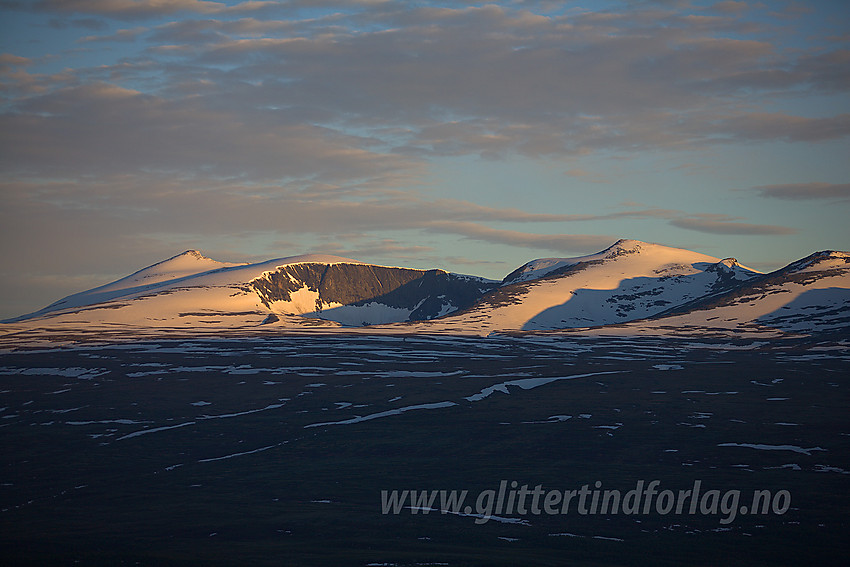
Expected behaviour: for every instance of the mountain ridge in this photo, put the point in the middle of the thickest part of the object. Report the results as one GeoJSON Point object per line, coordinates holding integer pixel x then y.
{"type": "Point", "coordinates": [630, 283]}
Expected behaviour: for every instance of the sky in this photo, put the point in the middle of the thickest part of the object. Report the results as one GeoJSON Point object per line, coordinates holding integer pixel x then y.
{"type": "Point", "coordinates": [468, 136]}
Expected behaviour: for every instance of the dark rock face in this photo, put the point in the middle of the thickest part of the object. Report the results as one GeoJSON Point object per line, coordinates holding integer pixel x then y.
{"type": "Point", "coordinates": [425, 293]}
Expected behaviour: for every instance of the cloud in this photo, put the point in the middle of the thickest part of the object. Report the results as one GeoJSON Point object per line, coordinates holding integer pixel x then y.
{"type": "Point", "coordinates": [120, 35]}
{"type": "Point", "coordinates": [730, 227]}
{"type": "Point", "coordinates": [776, 126]}
{"type": "Point", "coordinates": [102, 129]}
{"type": "Point", "coordinates": [135, 9]}
{"type": "Point", "coordinates": [152, 204]}
{"type": "Point", "coordinates": [555, 242]}
{"type": "Point", "coordinates": [477, 80]}
{"type": "Point", "coordinates": [628, 83]}
{"type": "Point", "coordinates": [219, 31]}
{"type": "Point", "coordinates": [11, 60]}
{"type": "Point", "coordinates": [805, 191]}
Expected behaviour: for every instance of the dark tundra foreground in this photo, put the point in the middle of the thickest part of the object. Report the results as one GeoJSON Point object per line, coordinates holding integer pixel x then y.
{"type": "Point", "coordinates": [345, 450]}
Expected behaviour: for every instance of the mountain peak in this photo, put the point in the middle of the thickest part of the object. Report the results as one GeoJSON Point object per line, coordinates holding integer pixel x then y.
{"type": "Point", "coordinates": [732, 265]}
{"type": "Point", "coordinates": [188, 254]}
{"type": "Point", "coordinates": [628, 243]}
{"type": "Point", "coordinates": [626, 246]}
{"type": "Point", "coordinates": [185, 263]}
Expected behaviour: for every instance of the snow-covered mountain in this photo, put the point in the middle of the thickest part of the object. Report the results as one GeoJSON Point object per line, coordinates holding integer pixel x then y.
{"type": "Point", "coordinates": [193, 290]}
{"type": "Point", "coordinates": [627, 281]}
{"type": "Point", "coordinates": [630, 287]}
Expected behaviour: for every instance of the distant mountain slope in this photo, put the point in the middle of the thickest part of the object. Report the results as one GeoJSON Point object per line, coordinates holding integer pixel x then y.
{"type": "Point", "coordinates": [627, 281]}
